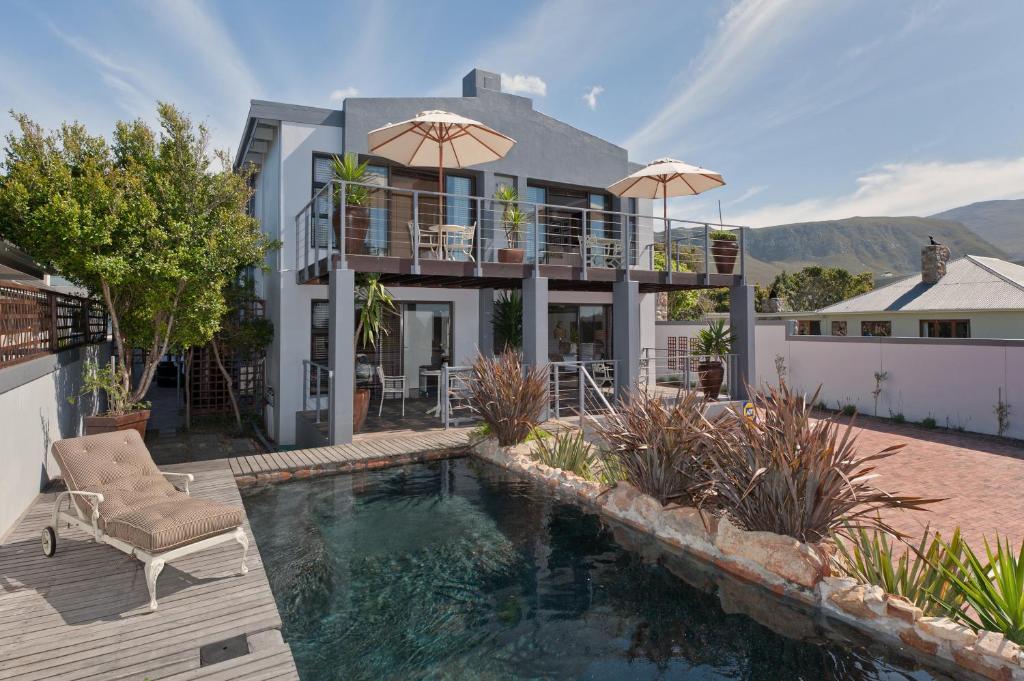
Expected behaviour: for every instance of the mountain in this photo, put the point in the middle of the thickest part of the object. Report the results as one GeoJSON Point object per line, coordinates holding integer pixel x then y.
{"type": "Point", "coordinates": [877, 244]}
{"type": "Point", "coordinates": [999, 222]}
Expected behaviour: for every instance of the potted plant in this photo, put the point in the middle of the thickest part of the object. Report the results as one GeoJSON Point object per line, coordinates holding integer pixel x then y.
{"type": "Point", "coordinates": [713, 344]}
{"type": "Point", "coordinates": [122, 413]}
{"type": "Point", "coordinates": [513, 218]}
{"type": "Point", "coordinates": [725, 249]}
{"type": "Point", "coordinates": [357, 200]}
{"type": "Point", "coordinates": [373, 302]}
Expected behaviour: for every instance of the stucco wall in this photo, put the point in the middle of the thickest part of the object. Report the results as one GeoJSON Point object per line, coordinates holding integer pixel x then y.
{"type": "Point", "coordinates": [955, 382]}
{"type": "Point", "coordinates": [34, 413]}
{"type": "Point", "coordinates": [983, 324]}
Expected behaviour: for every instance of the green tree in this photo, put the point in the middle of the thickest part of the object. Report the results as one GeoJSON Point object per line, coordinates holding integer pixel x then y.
{"type": "Point", "coordinates": [681, 304]}
{"type": "Point", "coordinates": [816, 287]}
{"type": "Point", "coordinates": [146, 222]}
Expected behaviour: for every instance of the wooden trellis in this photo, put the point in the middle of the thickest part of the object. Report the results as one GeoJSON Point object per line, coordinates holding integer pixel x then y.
{"type": "Point", "coordinates": [35, 322]}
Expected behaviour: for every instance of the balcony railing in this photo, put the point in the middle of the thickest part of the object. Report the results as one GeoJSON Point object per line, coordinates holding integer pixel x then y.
{"type": "Point", "coordinates": [416, 225]}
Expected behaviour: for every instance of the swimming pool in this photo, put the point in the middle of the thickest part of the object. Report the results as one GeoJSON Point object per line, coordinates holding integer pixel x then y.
{"type": "Point", "coordinates": [458, 570]}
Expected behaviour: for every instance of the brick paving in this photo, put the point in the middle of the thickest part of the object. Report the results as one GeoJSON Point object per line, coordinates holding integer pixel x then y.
{"type": "Point", "coordinates": [981, 478]}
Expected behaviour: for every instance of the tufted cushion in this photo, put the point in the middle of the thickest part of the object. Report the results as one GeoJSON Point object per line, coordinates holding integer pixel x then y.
{"type": "Point", "coordinates": [140, 506]}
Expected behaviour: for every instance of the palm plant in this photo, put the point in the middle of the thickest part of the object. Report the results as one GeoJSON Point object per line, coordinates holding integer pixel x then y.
{"type": "Point", "coordinates": [508, 396]}
{"type": "Point", "coordinates": [787, 474]}
{"type": "Point", "coordinates": [373, 302]}
{"type": "Point", "coordinates": [716, 340]}
{"type": "Point", "coordinates": [350, 170]}
{"type": "Point", "coordinates": [513, 218]}
{"type": "Point", "coordinates": [661, 449]}
{"type": "Point", "coordinates": [994, 590]}
{"type": "Point", "coordinates": [870, 558]}
{"type": "Point", "coordinates": [507, 320]}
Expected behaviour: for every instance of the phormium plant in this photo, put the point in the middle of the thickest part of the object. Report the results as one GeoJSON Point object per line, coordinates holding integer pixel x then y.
{"type": "Point", "coordinates": [788, 474]}
{"type": "Point", "coordinates": [508, 396]}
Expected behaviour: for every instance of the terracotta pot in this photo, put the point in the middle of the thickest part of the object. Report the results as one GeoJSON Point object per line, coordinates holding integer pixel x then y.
{"type": "Point", "coordinates": [511, 255]}
{"type": "Point", "coordinates": [711, 375]}
{"type": "Point", "coordinates": [360, 405]}
{"type": "Point", "coordinates": [133, 420]}
{"type": "Point", "coordinates": [357, 224]}
{"type": "Point", "coordinates": [725, 252]}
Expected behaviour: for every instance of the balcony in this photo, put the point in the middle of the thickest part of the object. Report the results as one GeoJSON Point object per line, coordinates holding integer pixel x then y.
{"type": "Point", "coordinates": [424, 238]}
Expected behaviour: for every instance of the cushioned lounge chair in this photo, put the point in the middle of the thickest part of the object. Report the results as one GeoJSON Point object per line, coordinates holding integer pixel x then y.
{"type": "Point", "coordinates": [117, 494]}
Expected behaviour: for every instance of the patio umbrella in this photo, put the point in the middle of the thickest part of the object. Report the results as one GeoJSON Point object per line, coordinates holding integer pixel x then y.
{"type": "Point", "coordinates": [664, 178]}
{"type": "Point", "coordinates": [439, 138]}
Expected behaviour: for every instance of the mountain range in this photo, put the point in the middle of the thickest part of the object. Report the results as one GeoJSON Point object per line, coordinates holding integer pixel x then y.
{"type": "Point", "coordinates": [887, 246]}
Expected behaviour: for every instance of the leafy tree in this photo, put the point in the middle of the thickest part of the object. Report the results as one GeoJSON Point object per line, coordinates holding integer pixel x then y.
{"type": "Point", "coordinates": [681, 304]}
{"type": "Point", "coordinates": [144, 221]}
{"type": "Point", "coordinates": [815, 287]}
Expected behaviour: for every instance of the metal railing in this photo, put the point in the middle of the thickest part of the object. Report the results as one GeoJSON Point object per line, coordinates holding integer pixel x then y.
{"type": "Point", "coordinates": [668, 373]}
{"type": "Point", "coordinates": [425, 225]}
{"type": "Point", "coordinates": [457, 401]}
{"type": "Point", "coordinates": [315, 379]}
{"type": "Point", "coordinates": [569, 389]}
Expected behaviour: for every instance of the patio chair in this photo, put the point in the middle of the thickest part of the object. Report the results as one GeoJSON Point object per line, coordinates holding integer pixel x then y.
{"type": "Point", "coordinates": [458, 240]}
{"type": "Point", "coordinates": [391, 387]}
{"type": "Point", "coordinates": [117, 494]}
{"type": "Point", "coordinates": [603, 252]}
{"type": "Point", "coordinates": [430, 240]}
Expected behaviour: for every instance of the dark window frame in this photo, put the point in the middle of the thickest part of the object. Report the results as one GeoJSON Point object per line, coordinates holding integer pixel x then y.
{"type": "Point", "coordinates": [954, 324]}
{"type": "Point", "coordinates": [871, 325]}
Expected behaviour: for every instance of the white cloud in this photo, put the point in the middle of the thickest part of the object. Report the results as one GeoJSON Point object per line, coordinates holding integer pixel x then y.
{"type": "Point", "coordinates": [591, 97]}
{"type": "Point", "coordinates": [903, 189]}
{"type": "Point", "coordinates": [338, 95]}
{"type": "Point", "coordinates": [522, 84]}
{"type": "Point", "coordinates": [749, 33]}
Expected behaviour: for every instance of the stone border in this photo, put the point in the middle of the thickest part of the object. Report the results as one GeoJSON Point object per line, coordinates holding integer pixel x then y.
{"type": "Point", "coordinates": [783, 565]}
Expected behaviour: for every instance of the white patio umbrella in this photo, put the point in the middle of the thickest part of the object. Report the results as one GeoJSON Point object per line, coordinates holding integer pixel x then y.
{"type": "Point", "coordinates": [439, 138]}
{"type": "Point", "coordinates": [664, 178]}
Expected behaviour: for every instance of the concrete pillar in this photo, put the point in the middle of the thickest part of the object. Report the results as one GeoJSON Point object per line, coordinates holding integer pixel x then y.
{"type": "Point", "coordinates": [341, 291]}
{"type": "Point", "coordinates": [485, 341]}
{"type": "Point", "coordinates": [742, 324]}
{"type": "Point", "coordinates": [535, 321]}
{"type": "Point", "coordinates": [626, 335]}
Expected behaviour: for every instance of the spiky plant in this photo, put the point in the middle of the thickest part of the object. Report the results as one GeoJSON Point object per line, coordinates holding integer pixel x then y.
{"type": "Point", "coordinates": [570, 452]}
{"type": "Point", "coordinates": [788, 474]}
{"type": "Point", "coordinates": [508, 396]}
{"type": "Point", "coordinates": [507, 320]}
{"type": "Point", "coordinates": [660, 448]}
{"type": "Point", "coordinates": [918, 574]}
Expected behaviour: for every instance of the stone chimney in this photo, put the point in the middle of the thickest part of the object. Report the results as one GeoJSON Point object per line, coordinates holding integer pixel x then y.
{"type": "Point", "coordinates": [933, 263]}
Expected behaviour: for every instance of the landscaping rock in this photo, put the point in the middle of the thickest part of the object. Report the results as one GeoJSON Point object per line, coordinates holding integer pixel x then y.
{"type": "Point", "coordinates": [914, 640]}
{"type": "Point", "coordinates": [997, 646]}
{"type": "Point", "coordinates": [977, 662]}
{"type": "Point", "coordinates": [785, 557]}
{"type": "Point", "coordinates": [863, 601]}
{"type": "Point", "coordinates": [684, 526]}
{"type": "Point", "coordinates": [945, 629]}
{"type": "Point", "coordinates": [901, 608]}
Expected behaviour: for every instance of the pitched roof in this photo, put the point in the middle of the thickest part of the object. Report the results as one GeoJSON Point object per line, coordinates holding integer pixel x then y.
{"type": "Point", "coordinates": [971, 283]}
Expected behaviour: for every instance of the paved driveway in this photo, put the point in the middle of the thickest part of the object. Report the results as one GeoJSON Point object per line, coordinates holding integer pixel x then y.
{"type": "Point", "coordinates": [981, 478]}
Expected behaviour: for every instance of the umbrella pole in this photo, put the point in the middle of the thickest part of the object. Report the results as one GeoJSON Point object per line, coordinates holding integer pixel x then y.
{"type": "Point", "coordinates": [440, 181]}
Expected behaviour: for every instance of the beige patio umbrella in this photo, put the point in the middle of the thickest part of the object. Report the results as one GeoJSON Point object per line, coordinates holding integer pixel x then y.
{"type": "Point", "coordinates": [439, 138]}
{"type": "Point", "coordinates": [664, 178]}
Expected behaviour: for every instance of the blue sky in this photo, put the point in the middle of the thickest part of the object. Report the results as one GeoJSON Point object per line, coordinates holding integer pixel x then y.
{"type": "Point", "coordinates": [811, 109]}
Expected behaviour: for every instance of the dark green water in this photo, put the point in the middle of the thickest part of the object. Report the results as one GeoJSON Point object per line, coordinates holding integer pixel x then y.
{"type": "Point", "coordinates": [456, 570]}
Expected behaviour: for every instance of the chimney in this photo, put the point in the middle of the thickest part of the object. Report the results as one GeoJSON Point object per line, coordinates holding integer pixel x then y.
{"type": "Point", "coordinates": [933, 263]}
{"type": "Point", "coordinates": [477, 80]}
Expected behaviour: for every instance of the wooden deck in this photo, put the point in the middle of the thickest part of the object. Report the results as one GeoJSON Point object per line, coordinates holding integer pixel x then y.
{"type": "Point", "coordinates": [83, 614]}
{"type": "Point", "coordinates": [370, 450]}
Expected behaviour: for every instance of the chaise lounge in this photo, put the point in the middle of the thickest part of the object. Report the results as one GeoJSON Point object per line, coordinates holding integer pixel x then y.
{"type": "Point", "coordinates": [121, 498]}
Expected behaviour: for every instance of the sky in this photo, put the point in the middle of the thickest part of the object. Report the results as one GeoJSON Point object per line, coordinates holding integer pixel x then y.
{"type": "Point", "coordinates": [810, 109]}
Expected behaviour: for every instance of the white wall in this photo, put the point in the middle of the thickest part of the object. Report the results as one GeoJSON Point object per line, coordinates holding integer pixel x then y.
{"type": "Point", "coordinates": [1000, 324]}
{"type": "Point", "coordinates": [34, 413]}
{"type": "Point", "coordinates": [955, 382]}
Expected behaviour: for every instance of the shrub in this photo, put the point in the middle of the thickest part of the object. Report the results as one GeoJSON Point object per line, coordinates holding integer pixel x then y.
{"type": "Point", "coordinates": [928, 422]}
{"type": "Point", "coordinates": [899, 418]}
{"type": "Point", "coordinates": [849, 410]}
{"type": "Point", "coordinates": [722, 235]}
{"type": "Point", "coordinates": [870, 558]}
{"type": "Point", "coordinates": [661, 449]}
{"type": "Point", "coordinates": [994, 590]}
{"type": "Point", "coordinates": [570, 452]}
{"type": "Point", "coordinates": [508, 396]}
{"type": "Point", "coordinates": [787, 474]}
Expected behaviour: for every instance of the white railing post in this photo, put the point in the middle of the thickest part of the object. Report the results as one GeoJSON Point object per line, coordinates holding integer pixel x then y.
{"type": "Point", "coordinates": [743, 259]}
{"type": "Point", "coordinates": [536, 241]}
{"type": "Point", "coordinates": [305, 386]}
{"type": "Point", "coordinates": [581, 378]}
{"type": "Point", "coordinates": [478, 270]}
{"type": "Point", "coordinates": [707, 254]}
{"type": "Point", "coordinates": [583, 242]}
{"type": "Point", "coordinates": [342, 208]}
{"type": "Point", "coordinates": [298, 244]}
{"type": "Point", "coordinates": [319, 378]}
{"type": "Point", "coordinates": [442, 395]}
{"type": "Point", "coordinates": [330, 398]}
{"type": "Point", "coordinates": [558, 399]}
{"type": "Point", "coordinates": [668, 249]}
{"type": "Point", "coordinates": [415, 232]}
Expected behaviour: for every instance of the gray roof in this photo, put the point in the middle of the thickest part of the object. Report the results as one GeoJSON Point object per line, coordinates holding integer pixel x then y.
{"type": "Point", "coordinates": [971, 283]}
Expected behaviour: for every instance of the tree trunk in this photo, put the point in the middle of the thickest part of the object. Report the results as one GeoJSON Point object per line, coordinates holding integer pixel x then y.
{"type": "Point", "coordinates": [227, 379]}
{"type": "Point", "coordinates": [188, 389]}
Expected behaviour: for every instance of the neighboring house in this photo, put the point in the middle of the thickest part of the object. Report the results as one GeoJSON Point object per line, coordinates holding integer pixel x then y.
{"type": "Point", "coordinates": [580, 301]}
{"type": "Point", "coordinates": [971, 297]}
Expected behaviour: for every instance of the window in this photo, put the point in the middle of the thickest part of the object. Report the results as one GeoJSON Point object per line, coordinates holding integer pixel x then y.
{"type": "Point", "coordinates": [808, 327]}
{"type": "Point", "coordinates": [876, 328]}
{"type": "Point", "coordinates": [598, 202]}
{"type": "Point", "coordinates": [376, 242]}
{"type": "Point", "coordinates": [318, 335]}
{"type": "Point", "coordinates": [945, 328]}
{"type": "Point", "coordinates": [323, 171]}
{"type": "Point", "coordinates": [838, 328]}
{"type": "Point", "coordinates": [535, 195]}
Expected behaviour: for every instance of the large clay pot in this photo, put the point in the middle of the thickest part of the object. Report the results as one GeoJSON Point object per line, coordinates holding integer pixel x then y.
{"type": "Point", "coordinates": [133, 420]}
{"type": "Point", "coordinates": [725, 252]}
{"type": "Point", "coordinates": [360, 405]}
{"type": "Point", "coordinates": [357, 224]}
{"type": "Point", "coordinates": [511, 255]}
{"type": "Point", "coordinates": [711, 374]}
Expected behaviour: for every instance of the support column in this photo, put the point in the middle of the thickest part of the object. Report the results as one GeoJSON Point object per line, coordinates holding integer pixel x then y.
{"type": "Point", "coordinates": [341, 291]}
{"type": "Point", "coordinates": [535, 321]}
{"type": "Point", "coordinates": [742, 323]}
{"type": "Point", "coordinates": [485, 339]}
{"type": "Point", "coordinates": [626, 335]}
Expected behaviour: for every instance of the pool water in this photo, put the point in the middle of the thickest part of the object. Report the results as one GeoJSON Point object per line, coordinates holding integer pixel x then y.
{"type": "Point", "coordinates": [456, 570]}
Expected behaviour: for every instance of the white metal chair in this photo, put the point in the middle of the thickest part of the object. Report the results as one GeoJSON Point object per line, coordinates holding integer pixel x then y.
{"type": "Point", "coordinates": [604, 252]}
{"type": "Point", "coordinates": [458, 239]}
{"type": "Point", "coordinates": [604, 374]}
{"type": "Point", "coordinates": [391, 387]}
{"type": "Point", "coordinates": [430, 239]}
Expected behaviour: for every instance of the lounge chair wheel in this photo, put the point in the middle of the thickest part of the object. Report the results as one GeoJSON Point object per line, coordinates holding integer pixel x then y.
{"type": "Point", "coordinates": [49, 542]}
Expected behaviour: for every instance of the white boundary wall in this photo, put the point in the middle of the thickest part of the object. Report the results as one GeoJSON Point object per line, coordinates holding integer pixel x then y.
{"type": "Point", "coordinates": [954, 381]}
